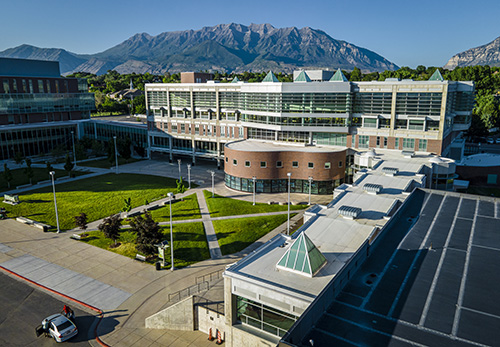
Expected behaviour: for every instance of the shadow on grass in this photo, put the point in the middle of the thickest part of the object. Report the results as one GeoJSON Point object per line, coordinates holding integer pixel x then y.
{"type": "Point", "coordinates": [234, 247]}
{"type": "Point", "coordinates": [36, 201]}
{"type": "Point", "coordinates": [224, 235]}
{"type": "Point", "coordinates": [182, 236]}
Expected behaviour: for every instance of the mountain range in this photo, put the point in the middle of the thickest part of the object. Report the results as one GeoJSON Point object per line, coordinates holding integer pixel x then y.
{"type": "Point", "coordinates": [224, 47]}
{"type": "Point", "coordinates": [488, 54]}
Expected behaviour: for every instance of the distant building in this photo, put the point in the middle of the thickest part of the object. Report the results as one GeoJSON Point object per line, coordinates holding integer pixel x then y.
{"type": "Point", "coordinates": [38, 108]}
{"type": "Point", "coordinates": [196, 77]}
{"type": "Point", "coordinates": [335, 117]}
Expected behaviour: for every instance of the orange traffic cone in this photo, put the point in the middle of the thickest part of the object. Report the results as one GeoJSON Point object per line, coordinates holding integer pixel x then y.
{"type": "Point", "coordinates": [219, 337]}
{"type": "Point", "coordinates": [210, 337]}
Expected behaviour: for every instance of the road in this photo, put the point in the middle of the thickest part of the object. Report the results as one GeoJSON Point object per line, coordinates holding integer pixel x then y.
{"type": "Point", "coordinates": [24, 307]}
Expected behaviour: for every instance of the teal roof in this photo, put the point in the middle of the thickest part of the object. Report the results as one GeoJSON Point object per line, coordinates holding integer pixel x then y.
{"type": "Point", "coordinates": [338, 77]}
{"type": "Point", "coordinates": [235, 79]}
{"type": "Point", "coordinates": [302, 257]}
{"type": "Point", "coordinates": [302, 77]}
{"type": "Point", "coordinates": [270, 77]}
{"type": "Point", "coordinates": [436, 76]}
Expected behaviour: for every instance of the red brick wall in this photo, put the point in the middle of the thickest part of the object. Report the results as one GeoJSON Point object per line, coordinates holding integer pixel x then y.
{"type": "Point", "coordinates": [286, 157]}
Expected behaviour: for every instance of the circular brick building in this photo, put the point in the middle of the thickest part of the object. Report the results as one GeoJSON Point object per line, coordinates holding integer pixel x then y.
{"type": "Point", "coordinates": [270, 163]}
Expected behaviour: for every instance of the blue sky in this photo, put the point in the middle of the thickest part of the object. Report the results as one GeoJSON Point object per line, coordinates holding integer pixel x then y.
{"type": "Point", "coordinates": [408, 33]}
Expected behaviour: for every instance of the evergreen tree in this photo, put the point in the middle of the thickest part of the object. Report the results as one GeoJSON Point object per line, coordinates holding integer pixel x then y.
{"type": "Point", "coordinates": [7, 174]}
{"type": "Point", "coordinates": [28, 170]}
{"type": "Point", "coordinates": [81, 221]}
{"type": "Point", "coordinates": [69, 164]}
{"type": "Point", "coordinates": [111, 227]}
{"type": "Point", "coordinates": [148, 233]}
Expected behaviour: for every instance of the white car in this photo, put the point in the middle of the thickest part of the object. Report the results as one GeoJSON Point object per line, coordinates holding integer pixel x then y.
{"type": "Point", "coordinates": [59, 327]}
{"type": "Point", "coordinates": [490, 140]}
{"type": "Point", "coordinates": [497, 140]}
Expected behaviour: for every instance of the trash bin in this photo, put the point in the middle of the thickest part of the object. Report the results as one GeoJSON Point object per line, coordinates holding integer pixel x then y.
{"type": "Point", "coordinates": [158, 266]}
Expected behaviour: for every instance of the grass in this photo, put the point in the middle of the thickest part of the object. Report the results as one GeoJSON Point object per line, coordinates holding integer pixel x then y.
{"type": "Point", "coordinates": [486, 191]}
{"type": "Point", "coordinates": [105, 164]}
{"type": "Point", "coordinates": [40, 174]}
{"type": "Point", "coordinates": [98, 197]}
{"type": "Point", "coordinates": [181, 210]}
{"type": "Point", "coordinates": [235, 235]}
{"type": "Point", "coordinates": [221, 206]}
{"type": "Point", "coordinates": [190, 243]}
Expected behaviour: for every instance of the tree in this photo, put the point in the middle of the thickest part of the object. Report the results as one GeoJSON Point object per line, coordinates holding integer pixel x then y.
{"type": "Point", "coordinates": [69, 164]}
{"type": "Point", "coordinates": [123, 145]}
{"type": "Point", "coordinates": [180, 186]}
{"type": "Point", "coordinates": [7, 174]}
{"type": "Point", "coordinates": [127, 205]}
{"type": "Point", "coordinates": [18, 158]}
{"type": "Point", "coordinates": [49, 167]}
{"type": "Point", "coordinates": [81, 221]}
{"type": "Point", "coordinates": [28, 170]}
{"type": "Point", "coordinates": [148, 233]}
{"type": "Point", "coordinates": [355, 75]}
{"type": "Point", "coordinates": [110, 227]}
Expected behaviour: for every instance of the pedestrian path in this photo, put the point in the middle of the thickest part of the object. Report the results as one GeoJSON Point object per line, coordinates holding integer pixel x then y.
{"type": "Point", "coordinates": [67, 282]}
{"type": "Point", "coordinates": [213, 243]}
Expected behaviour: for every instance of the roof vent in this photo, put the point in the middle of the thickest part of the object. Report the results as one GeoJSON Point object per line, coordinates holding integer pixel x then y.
{"type": "Point", "coordinates": [349, 211]}
{"type": "Point", "coordinates": [390, 171]}
{"type": "Point", "coordinates": [372, 188]}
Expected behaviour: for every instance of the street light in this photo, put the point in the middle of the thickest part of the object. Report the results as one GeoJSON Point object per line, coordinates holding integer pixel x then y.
{"type": "Point", "coordinates": [171, 196]}
{"type": "Point", "coordinates": [116, 155]}
{"type": "Point", "coordinates": [189, 175]}
{"type": "Point", "coordinates": [52, 173]}
{"type": "Point", "coordinates": [310, 184]}
{"type": "Point", "coordinates": [179, 162]}
{"type": "Point", "coordinates": [212, 173]}
{"type": "Point", "coordinates": [254, 179]}
{"type": "Point", "coordinates": [74, 151]}
{"type": "Point", "coordinates": [289, 174]}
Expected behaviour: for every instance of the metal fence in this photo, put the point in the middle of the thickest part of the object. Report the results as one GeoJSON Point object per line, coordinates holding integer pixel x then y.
{"type": "Point", "coordinates": [210, 277]}
{"type": "Point", "coordinates": [215, 306]}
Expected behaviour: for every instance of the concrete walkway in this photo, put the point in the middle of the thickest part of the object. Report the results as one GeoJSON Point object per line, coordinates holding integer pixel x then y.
{"type": "Point", "coordinates": [213, 243]}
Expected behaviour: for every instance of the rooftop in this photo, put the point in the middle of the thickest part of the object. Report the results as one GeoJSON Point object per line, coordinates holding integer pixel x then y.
{"type": "Point", "coordinates": [270, 146]}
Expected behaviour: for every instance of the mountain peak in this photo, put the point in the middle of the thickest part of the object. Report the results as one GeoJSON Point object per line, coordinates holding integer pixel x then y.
{"type": "Point", "coordinates": [488, 54]}
{"type": "Point", "coordinates": [230, 47]}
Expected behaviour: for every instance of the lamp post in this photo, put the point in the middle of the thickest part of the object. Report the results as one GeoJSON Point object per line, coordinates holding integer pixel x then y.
{"type": "Point", "coordinates": [189, 175]}
{"type": "Point", "coordinates": [289, 174]}
{"type": "Point", "coordinates": [171, 196]}
{"type": "Point", "coordinates": [74, 150]}
{"type": "Point", "coordinates": [179, 162]}
{"type": "Point", "coordinates": [254, 179]}
{"type": "Point", "coordinates": [116, 155]}
{"type": "Point", "coordinates": [212, 173]}
{"type": "Point", "coordinates": [310, 184]}
{"type": "Point", "coordinates": [52, 173]}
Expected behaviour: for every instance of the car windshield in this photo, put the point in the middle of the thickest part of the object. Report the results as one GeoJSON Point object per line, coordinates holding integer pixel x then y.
{"type": "Point", "coordinates": [64, 326]}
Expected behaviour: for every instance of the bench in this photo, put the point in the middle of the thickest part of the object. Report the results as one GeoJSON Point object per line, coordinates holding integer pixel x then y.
{"type": "Point", "coordinates": [63, 178]}
{"type": "Point", "coordinates": [11, 199]}
{"type": "Point", "coordinates": [42, 226]}
{"type": "Point", "coordinates": [76, 237]}
{"type": "Point", "coordinates": [44, 182]}
{"type": "Point", "coordinates": [140, 257]}
{"type": "Point", "coordinates": [24, 186]}
{"type": "Point", "coordinates": [24, 220]}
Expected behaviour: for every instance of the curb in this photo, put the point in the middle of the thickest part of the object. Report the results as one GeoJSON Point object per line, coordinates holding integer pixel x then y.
{"type": "Point", "coordinates": [99, 311]}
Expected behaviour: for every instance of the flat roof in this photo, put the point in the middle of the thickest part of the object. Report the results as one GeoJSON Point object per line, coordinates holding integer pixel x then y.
{"type": "Point", "coordinates": [336, 237]}
{"type": "Point", "coordinates": [13, 67]}
{"type": "Point", "coordinates": [271, 146]}
{"type": "Point", "coordinates": [436, 284]}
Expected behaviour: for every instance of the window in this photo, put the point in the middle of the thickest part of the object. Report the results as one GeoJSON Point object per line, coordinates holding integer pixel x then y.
{"type": "Point", "coordinates": [263, 164]}
{"type": "Point", "coordinates": [378, 140]}
{"type": "Point", "coordinates": [226, 159]}
{"type": "Point", "coordinates": [422, 145]}
{"type": "Point", "coordinates": [279, 164]}
{"type": "Point", "coordinates": [363, 141]}
{"type": "Point", "coordinates": [340, 163]}
{"type": "Point", "coordinates": [174, 128]}
{"type": "Point", "coordinates": [235, 162]}
{"type": "Point", "coordinates": [183, 128]}
{"type": "Point", "coordinates": [396, 143]}
{"type": "Point", "coordinates": [310, 165]}
{"type": "Point", "coordinates": [295, 164]}
{"type": "Point", "coordinates": [385, 142]}
{"type": "Point", "coordinates": [328, 165]}
{"type": "Point", "coordinates": [409, 144]}
{"type": "Point", "coordinates": [247, 163]}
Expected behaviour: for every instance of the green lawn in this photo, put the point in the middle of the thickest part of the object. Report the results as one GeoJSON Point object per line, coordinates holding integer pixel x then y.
{"type": "Point", "coordinates": [486, 191]}
{"type": "Point", "coordinates": [190, 243]}
{"type": "Point", "coordinates": [181, 210]}
{"type": "Point", "coordinates": [105, 164]}
{"type": "Point", "coordinates": [237, 234]}
{"type": "Point", "coordinates": [40, 174]}
{"type": "Point", "coordinates": [221, 206]}
{"type": "Point", "coordinates": [98, 197]}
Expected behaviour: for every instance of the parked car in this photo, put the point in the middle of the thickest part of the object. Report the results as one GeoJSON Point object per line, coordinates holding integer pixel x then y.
{"type": "Point", "coordinates": [497, 140]}
{"type": "Point", "coordinates": [490, 140]}
{"type": "Point", "coordinates": [59, 327]}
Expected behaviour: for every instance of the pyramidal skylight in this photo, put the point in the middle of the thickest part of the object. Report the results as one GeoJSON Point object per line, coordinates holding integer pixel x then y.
{"type": "Point", "coordinates": [302, 257]}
